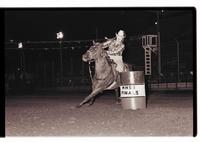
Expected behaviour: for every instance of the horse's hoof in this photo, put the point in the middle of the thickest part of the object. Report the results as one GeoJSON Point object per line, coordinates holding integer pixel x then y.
{"type": "Point", "coordinates": [89, 104]}
{"type": "Point", "coordinates": [118, 102]}
{"type": "Point", "coordinates": [78, 106]}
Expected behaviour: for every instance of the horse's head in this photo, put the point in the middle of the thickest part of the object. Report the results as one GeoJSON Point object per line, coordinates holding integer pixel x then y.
{"type": "Point", "coordinates": [96, 51]}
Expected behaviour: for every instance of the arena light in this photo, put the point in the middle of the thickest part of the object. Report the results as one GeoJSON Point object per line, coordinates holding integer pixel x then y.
{"type": "Point", "coordinates": [20, 45]}
{"type": "Point", "coordinates": [60, 35]}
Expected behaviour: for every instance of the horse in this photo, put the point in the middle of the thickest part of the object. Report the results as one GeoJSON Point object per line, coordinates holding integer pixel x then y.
{"type": "Point", "coordinates": [106, 77]}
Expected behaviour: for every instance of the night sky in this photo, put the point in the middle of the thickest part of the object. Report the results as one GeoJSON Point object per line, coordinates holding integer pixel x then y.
{"type": "Point", "coordinates": [80, 24]}
{"type": "Point", "coordinates": [75, 23]}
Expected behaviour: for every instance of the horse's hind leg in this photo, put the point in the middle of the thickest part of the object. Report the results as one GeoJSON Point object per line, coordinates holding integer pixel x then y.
{"type": "Point", "coordinates": [91, 96]}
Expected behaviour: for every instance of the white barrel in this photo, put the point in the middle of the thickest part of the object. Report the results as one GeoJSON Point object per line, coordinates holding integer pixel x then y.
{"type": "Point", "coordinates": [132, 90]}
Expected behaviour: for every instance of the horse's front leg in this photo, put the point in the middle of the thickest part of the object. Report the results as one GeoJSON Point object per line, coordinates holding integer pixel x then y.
{"type": "Point", "coordinates": [92, 101]}
{"type": "Point", "coordinates": [91, 96]}
{"type": "Point", "coordinates": [118, 100]}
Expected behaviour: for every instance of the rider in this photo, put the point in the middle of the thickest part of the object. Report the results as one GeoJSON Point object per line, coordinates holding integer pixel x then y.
{"type": "Point", "coordinates": [115, 49]}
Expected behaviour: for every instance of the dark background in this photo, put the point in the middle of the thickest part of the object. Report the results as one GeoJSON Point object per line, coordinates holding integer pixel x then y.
{"type": "Point", "coordinates": [79, 24]}
{"type": "Point", "coordinates": [37, 28]}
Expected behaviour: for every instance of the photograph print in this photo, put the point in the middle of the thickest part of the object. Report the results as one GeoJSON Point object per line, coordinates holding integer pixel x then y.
{"type": "Point", "coordinates": [100, 72]}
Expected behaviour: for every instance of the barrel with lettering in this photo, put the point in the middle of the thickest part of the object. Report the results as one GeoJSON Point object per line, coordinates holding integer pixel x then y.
{"type": "Point", "coordinates": [132, 90]}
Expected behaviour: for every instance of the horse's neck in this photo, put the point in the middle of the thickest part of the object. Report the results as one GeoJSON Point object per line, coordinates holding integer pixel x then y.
{"type": "Point", "coordinates": [101, 64]}
{"type": "Point", "coordinates": [102, 68]}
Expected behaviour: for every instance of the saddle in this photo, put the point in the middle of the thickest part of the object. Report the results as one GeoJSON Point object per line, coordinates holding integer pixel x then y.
{"type": "Point", "coordinates": [114, 65]}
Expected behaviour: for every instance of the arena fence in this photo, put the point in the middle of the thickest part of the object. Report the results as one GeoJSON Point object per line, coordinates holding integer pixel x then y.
{"type": "Point", "coordinates": [38, 66]}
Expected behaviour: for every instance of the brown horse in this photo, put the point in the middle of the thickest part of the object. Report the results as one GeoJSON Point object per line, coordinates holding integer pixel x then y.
{"type": "Point", "coordinates": [106, 77]}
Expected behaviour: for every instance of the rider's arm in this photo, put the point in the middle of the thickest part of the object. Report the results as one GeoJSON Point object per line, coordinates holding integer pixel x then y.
{"type": "Point", "coordinates": [107, 43]}
{"type": "Point", "coordinates": [117, 49]}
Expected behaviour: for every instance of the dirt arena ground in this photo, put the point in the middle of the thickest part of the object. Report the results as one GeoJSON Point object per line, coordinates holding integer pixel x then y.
{"type": "Point", "coordinates": [55, 114]}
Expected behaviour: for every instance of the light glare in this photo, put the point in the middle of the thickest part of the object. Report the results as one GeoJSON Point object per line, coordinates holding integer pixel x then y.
{"type": "Point", "coordinates": [20, 45]}
{"type": "Point", "coordinates": [60, 35]}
